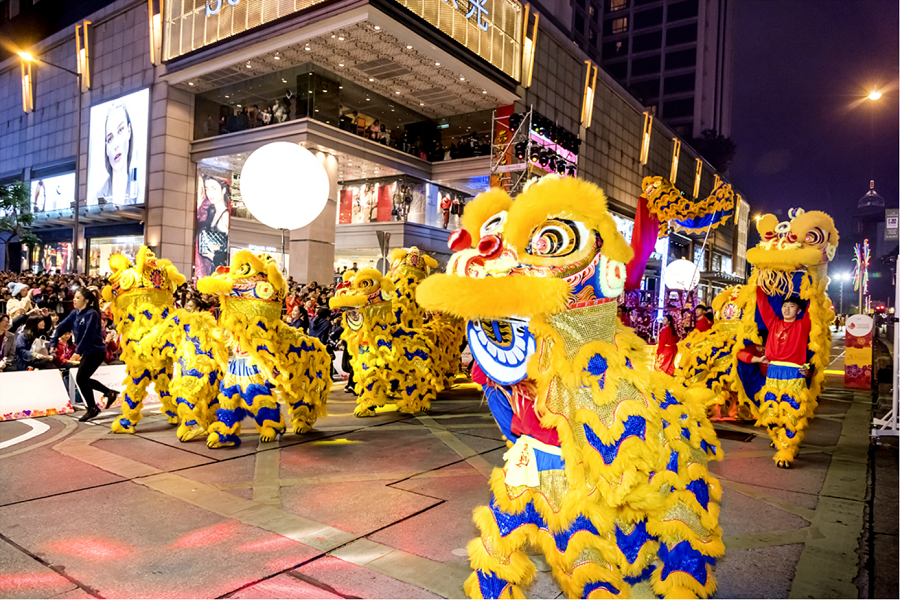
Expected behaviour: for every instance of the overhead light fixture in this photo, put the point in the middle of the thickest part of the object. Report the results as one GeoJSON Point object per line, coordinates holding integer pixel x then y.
{"type": "Point", "coordinates": [462, 78]}
{"type": "Point", "coordinates": [377, 27]}
{"type": "Point", "coordinates": [421, 104]}
{"type": "Point", "coordinates": [340, 64]}
{"type": "Point", "coordinates": [371, 79]}
{"type": "Point", "coordinates": [249, 66]}
{"type": "Point", "coordinates": [277, 58]}
{"type": "Point", "coordinates": [437, 64]}
{"type": "Point", "coordinates": [341, 38]}
{"type": "Point", "coordinates": [284, 81]}
{"type": "Point", "coordinates": [333, 36]}
{"type": "Point", "coordinates": [408, 47]}
{"type": "Point", "coordinates": [484, 91]}
{"type": "Point", "coordinates": [307, 48]}
{"type": "Point", "coordinates": [191, 83]}
{"type": "Point", "coordinates": [398, 93]}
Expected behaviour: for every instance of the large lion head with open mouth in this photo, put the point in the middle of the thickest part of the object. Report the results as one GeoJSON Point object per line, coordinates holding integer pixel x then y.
{"type": "Point", "coordinates": [552, 250]}
{"type": "Point", "coordinates": [807, 241]}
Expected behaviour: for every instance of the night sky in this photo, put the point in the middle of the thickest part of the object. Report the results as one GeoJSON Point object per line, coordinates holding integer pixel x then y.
{"type": "Point", "coordinates": [805, 136]}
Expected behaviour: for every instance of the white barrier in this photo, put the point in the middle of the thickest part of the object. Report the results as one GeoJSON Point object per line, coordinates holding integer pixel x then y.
{"type": "Point", "coordinates": [113, 377]}
{"type": "Point", "coordinates": [28, 394]}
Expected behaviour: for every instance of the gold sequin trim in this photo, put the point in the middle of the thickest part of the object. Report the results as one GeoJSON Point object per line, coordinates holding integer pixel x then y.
{"type": "Point", "coordinates": [263, 309]}
{"type": "Point", "coordinates": [680, 512]}
{"type": "Point", "coordinates": [580, 326]}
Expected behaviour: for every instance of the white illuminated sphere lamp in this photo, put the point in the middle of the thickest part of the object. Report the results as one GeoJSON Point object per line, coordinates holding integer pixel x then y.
{"type": "Point", "coordinates": [681, 275]}
{"type": "Point", "coordinates": [284, 185]}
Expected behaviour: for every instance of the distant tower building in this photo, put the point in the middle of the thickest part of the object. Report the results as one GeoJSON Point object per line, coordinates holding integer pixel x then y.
{"type": "Point", "coordinates": [673, 55]}
{"type": "Point", "coordinates": [868, 222]}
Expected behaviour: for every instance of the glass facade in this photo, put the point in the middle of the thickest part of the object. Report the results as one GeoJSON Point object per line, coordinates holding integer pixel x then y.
{"type": "Point", "coordinates": [308, 91]}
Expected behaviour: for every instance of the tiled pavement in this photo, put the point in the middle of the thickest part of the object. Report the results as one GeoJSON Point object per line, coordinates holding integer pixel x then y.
{"type": "Point", "coordinates": [377, 507]}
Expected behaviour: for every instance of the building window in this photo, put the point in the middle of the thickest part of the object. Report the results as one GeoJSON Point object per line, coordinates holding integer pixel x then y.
{"type": "Point", "coordinates": [592, 37]}
{"type": "Point", "coordinates": [648, 41]}
{"type": "Point", "coordinates": [579, 24]}
{"type": "Point", "coordinates": [653, 109]}
{"type": "Point", "coordinates": [615, 5]}
{"type": "Point", "coordinates": [644, 90]}
{"type": "Point", "coordinates": [683, 10]}
{"type": "Point", "coordinates": [681, 35]}
{"type": "Point", "coordinates": [620, 25]}
{"type": "Point", "coordinates": [614, 49]}
{"type": "Point", "coordinates": [617, 70]}
{"type": "Point", "coordinates": [645, 66]}
{"type": "Point", "coordinates": [679, 84]}
{"type": "Point", "coordinates": [681, 59]}
{"type": "Point", "coordinates": [648, 18]}
{"type": "Point", "coordinates": [678, 108]}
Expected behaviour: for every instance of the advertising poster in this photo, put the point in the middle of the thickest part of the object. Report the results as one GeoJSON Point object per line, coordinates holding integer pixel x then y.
{"type": "Point", "coordinates": [117, 163]}
{"type": "Point", "coordinates": [213, 220]}
{"type": "Point", "coordinates": [858, 357]}
{"type": "Point", "coordinates": [52, 193]}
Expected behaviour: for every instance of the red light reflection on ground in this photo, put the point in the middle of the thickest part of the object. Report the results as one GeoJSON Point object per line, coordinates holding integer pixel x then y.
{"type": "Point", "coordinates": [207, 536]}
{"type": "Point", "coordinates": [8, 582]}
{"type": "Point", "coordinates": [277, 542]}
{"type": "Point", "coordinates": [93, 548]}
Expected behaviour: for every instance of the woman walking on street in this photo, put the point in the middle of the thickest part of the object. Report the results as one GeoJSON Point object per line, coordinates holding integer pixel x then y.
{"type": "Point", "coordinates": [90, 348]}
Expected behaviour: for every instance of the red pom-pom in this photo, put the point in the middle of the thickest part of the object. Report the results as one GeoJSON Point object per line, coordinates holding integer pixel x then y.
{"type": "Point", "coordinates": [460, 240]}
{"type": "Point", "coordinates": [490, 247]}
{"type": "Point", "coordinates": [221, 270]}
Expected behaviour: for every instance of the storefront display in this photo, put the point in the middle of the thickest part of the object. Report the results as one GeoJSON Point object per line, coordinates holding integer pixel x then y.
{"type": "Point", "coordinates": [399, 200]}
{"type": "Point", "coordinates": [101, 248]}
{"type": "Point", "coordinates": [118, 150]}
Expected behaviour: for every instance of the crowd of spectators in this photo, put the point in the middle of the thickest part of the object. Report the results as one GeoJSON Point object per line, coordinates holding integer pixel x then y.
{"type": "Point", "coordinates": [32, 306]}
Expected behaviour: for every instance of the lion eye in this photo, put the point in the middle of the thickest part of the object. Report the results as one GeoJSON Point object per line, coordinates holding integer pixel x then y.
{"type": "Point", "coordinates": [815, 236]}
{"type": "Point", "coordinates": [494, 224]}
{"type": "Point", "coordinates": [555, 238]}
{"type": "Point", "coordinates": [244, 270]}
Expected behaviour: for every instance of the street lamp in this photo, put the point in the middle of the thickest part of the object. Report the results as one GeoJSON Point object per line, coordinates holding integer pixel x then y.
{"type": "Point", "coordinates": [841, 278]}
{"type": "Point", "coordinates": [29, 58]}
{"type": "Point", "coordinates": [874, 95]}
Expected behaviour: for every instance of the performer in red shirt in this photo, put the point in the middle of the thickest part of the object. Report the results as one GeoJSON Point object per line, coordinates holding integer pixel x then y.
{"type": "Point", "coordinates": [703, 323]}
{"type": "Point", "coordinates": [667, 347]}
{"type": "Point", "coordinates": [785, 396]}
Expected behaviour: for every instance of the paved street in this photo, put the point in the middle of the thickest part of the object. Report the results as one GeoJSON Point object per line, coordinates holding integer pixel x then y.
{"type": "Point", "coordinates": [376, 507]}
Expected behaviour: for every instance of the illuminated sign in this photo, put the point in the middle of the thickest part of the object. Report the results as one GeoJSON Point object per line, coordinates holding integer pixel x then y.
{"type": "Point", "coordinates": [492, 29]}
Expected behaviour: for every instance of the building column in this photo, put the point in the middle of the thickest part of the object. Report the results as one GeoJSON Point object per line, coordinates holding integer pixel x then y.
{"type": "Point", "coordinates": [312, 247]}
{"type": "Point", "coordinates": [171, 187]}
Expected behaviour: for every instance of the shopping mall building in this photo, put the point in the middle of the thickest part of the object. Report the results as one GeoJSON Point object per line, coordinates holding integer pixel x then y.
{"type": "Point", "coordinates": [397, 98]}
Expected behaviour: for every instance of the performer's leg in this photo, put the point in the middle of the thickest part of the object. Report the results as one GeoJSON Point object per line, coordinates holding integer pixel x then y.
{"type": "Point", "coordinates": [161, 384]}
{"type": "Point", "coordinates": [132, 400]}
{"type": "Point", "coordinates": [500, 566]}
{"type": "Point", "coordinates": [259, 401]}
{"type": "Point", "coordinates": [226, 431]}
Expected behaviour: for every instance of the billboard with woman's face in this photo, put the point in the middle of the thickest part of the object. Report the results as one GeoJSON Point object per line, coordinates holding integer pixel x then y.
{"type": "Point", "coordinates": [118, 150]}
{"type": "Point", "coordinates": [213, 220]}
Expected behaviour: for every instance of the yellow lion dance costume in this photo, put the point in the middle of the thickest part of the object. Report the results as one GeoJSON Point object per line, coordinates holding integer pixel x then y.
{"type": "Point", "coordinates": [268, 357]}
{"type": "Point", "coordinates": [141, 297]}
{"type": "Point", "coordinates": [707, 358]}
{"type": "Point", "coordinates": [789, 263]}
{"type": "Point", "coordinates": [408, 268]}
{"type": "Point", "coordinates": [608, 473]}
{"type": "Point", "coordinates": [387, 358]}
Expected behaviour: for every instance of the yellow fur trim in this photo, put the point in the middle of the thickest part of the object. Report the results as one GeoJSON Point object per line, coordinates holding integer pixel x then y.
{"type": "Point", "coordinates": [482, 208]}
{"type": "Point", "coordinates": [494, 297]}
